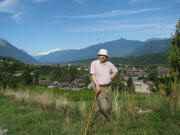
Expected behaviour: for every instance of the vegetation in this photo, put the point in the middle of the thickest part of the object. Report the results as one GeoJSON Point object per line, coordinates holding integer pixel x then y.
{"type": "Point", "coordinates": [28, 109]}
{"type": "Point", "coordinates": [36, 111]}
{"type": "Point", "coordinates": [159, 58]}
{"type": "Point", "coordinates": [174, 55]}
{"type": "Point", "coordinates": [13, 73]}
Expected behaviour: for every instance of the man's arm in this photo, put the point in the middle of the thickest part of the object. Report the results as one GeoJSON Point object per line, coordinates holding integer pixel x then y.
{"type": "Point", "coordinates": [114, 74]}
{"type": "Point", "coordinates": [96, 83]}
{"type": "Point", "coordinates": [114, 70]}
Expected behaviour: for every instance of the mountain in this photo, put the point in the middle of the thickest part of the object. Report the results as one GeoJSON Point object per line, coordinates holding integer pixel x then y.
{"type": "Point", "coordinates": [8, 50]}
{"type": "Point", "coordinates": [151, 46]}
{"type": "Point", "coordinates": [115, 48]}
{"type": "Point", "coordinates": [158, 58]}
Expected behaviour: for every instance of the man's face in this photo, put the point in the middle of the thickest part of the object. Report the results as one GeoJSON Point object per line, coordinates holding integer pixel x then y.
{"type": "Point", "coordinates": [102, 58]}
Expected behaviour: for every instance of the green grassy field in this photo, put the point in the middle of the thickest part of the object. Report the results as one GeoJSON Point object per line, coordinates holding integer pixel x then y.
{"type": "Point", "coordinates": [42, 111]}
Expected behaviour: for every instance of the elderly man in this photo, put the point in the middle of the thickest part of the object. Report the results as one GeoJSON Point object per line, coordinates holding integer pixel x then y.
{"type": "Point", "coordinates": [103, 72]}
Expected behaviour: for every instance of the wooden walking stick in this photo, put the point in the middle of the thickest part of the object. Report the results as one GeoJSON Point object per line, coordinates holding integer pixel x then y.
{"type": "Point", "coordinates": [90, 115]}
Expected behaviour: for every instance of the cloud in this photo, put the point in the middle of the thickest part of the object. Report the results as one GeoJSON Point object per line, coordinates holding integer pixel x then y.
{"type": "Point", "coordinates": [11, 7]}
{"type": "Point", "coordinates": [39, 1]}
{"type": "Point", "coordinates": [114, 13]}
{"type": "Point", "coordinates": [126, 27]}
{"type": "Point", "coordinates": [8, 6]}
{"type": "Point", "coordinates": [136, 1]}
{"type": "Point", "coordinates": [178, 1]}
{"type": "Point", "coordinates": [16, 16]}
{"type": "Point", "coordinates": [48, 52]}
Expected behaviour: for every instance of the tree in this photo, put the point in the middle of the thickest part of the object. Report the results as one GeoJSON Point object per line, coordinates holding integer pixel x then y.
{"type": "Point", "coordinates": [130, 85]}
{"type": "Point", "coordinates": [174, 55]}
{"type": "Point", "coordinates": [12, 83]}
{"type": "Point", "coordinates": [27, 78]}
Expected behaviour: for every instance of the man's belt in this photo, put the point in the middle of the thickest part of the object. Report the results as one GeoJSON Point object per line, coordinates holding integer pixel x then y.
{"type": "Point", "coordinates": [104, 84]}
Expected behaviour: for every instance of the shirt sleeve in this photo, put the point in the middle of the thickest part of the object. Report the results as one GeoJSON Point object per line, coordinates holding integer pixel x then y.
{"type": "Point", "coordinates": [92, 69]}
{"type": "Point", "coordinates": [113, 68]}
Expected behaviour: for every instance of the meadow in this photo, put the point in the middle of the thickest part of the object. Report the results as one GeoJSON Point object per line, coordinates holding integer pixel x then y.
{"type": "Point", "coordinates": [41, 111]}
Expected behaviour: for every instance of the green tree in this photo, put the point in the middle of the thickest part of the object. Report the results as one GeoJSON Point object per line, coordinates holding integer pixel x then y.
{"type": "Point", "coordinates": [27, 77]}
{"type": "Point", "coordinates": [174, 55]}
{"type": "Point", "coordinates": [13, 83]}
{"type": "Point", "coordinates": [130, 85]}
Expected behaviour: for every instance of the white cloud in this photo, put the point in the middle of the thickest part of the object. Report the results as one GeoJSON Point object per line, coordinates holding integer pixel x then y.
{"type": "Point", "coordinates": [11, 7]}
{"type": "Point", "coordinates": [48, 52]}
{"type": "Point", "coordinates": [135, 1]}
{"type": "Point", "coordinates": [16, 16]}
{"type": "Point", "coordinates": [126, 27]}
{"type": "Point", "coordinates": [114, 13]}
{"type": "Point", "coordinates": [8, 6]}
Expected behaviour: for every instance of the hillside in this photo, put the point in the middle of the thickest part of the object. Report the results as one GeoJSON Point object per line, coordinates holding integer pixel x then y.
{"type": "Point", "coordinates": [159, 58]}
{"type": "Point", "coordinates": [155, 45]}
{"type": "Point", "coordinates": [8, 50]}
{"type": "Point", "coordinates": [116, 48]}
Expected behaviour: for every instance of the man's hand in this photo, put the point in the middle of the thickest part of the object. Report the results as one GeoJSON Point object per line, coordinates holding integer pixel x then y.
{"type": "Point", "coordinates": [97, 89]}
{"type": "Point", "coordinates": [114, 74]}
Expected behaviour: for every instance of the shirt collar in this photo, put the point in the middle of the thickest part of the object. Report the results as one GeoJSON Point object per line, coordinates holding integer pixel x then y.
{"type": "Point", "coordinates": [101, 63]}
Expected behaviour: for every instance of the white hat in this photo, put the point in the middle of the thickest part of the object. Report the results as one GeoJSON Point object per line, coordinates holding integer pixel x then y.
{"type": "Point", "coordinates": [103, 52]}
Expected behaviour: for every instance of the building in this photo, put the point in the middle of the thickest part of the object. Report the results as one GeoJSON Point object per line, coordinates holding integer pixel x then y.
{"type": "Point", "coordinates": [141, 87]}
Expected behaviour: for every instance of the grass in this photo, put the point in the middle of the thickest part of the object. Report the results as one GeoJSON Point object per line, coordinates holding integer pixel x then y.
{"type": "Point", "coordinates": [36, 111]}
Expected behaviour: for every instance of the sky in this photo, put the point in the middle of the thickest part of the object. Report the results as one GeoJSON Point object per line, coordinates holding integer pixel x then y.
{"type": "Point", "coordinates": [41, 26]}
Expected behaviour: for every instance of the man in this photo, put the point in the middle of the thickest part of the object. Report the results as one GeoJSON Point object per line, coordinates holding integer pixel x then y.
{"type": "Point", "coordinates": [102, 73]}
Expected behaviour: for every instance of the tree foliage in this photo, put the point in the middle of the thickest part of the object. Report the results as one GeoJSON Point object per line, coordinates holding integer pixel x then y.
{"type": "Point", "coordinates": [174, 55]}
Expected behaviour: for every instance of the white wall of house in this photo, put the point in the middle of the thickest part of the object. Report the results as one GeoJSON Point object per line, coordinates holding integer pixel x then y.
{"type": "Point", "coordinates": [141, 87]}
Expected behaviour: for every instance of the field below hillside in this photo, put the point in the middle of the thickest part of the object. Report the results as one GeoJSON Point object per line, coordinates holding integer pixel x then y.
{"type": "Point", "coordinates": [43, 111]}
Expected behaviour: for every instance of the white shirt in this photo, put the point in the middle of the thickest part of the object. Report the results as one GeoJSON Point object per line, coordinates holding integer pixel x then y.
{"type": "Point", "coordinates": [102, 71]}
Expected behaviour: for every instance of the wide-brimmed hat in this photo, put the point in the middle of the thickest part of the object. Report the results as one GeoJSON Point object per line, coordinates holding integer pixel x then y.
{"type": "Point", "coordinates": [103, 52]}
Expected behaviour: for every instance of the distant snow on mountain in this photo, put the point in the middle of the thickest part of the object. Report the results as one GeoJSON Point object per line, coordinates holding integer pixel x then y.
{"type": "Point", "coordinates": [48, 52]}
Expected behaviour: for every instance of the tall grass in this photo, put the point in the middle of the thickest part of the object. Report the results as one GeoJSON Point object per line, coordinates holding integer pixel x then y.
{"type": "Point", "coordinates": [46, 99]}
{"type": "Point", "coordinates": [61, 115]}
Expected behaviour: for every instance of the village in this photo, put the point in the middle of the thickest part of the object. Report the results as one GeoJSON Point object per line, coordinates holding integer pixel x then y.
{"type": "Point", "coordinates": [139, 76]}
{"type": "Point", "coordinates": [144, 78]}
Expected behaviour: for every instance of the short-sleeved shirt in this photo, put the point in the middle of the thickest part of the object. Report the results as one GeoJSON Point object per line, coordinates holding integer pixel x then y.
{"type": "Point", "coordinates": [102, 71]}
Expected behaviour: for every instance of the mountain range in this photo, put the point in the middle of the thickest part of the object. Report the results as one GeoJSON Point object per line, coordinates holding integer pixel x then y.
{"type": "Point", "coordinates": [116, 48]}
{"type": "Point", "coordinates": [8, 50]}
{"type": "Point", "coordinates": [152, 46]}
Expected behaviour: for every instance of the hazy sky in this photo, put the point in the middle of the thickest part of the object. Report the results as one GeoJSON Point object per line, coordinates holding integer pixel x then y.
{"type": "Point", "coordinates": [43, 25]}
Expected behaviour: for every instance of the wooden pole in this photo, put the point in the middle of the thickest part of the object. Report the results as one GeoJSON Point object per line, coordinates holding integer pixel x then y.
{"type": "Point", "coordinates": [91, 112]}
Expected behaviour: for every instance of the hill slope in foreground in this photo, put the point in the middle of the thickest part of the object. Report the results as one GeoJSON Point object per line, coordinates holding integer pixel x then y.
{"type": "Point", "coordinates": [43, 111]}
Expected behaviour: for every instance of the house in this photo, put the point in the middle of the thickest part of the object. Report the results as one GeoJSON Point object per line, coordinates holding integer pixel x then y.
{"type": "Point", "coordinates": [79, 83]}
{"type": "Point", "coordinates": [63, 84]}
{"type": "Point", "coordinates": [79, 68]}
{"type": "Point", "coordinates": [91, 85]}
{"type": "Point", "coordinates": [141, 87]}
{"type": "Point", "coordinates": [86, 69]}
{"type": "Point", "coordinates": [45, 83]}
{"type": "Point", "coordinates": [162, 71]}
{"type": "Point", "coordinates": [17, 75]}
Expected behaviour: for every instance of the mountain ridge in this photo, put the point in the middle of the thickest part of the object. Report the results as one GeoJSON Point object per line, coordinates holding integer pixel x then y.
{"type": "Point", "coordinates": [8, 50]}
{"type": "Point", "coordinates": [116, 48]}
{"type": "Point", "coordinates": [120, 47]}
